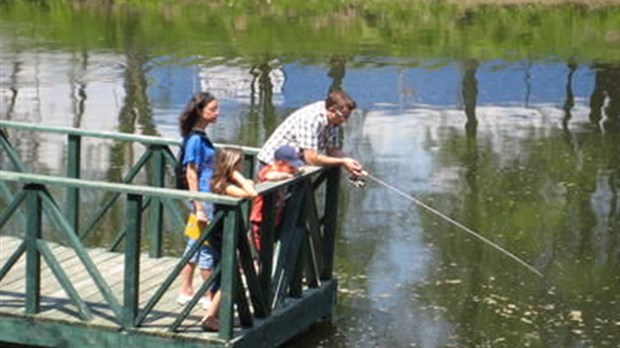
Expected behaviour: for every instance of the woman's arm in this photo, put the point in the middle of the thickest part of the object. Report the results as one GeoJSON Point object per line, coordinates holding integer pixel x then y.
{"type": "Point", "coordinates": [191, 174]}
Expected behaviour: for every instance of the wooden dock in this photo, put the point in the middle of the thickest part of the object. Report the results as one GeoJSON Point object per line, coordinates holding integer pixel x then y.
{"type": "Point", "coordinates": [60, 315]}
{"type": "Point", "coordinates": [67, 294]}
{"type": "Point", "coordinates": [56, 305]}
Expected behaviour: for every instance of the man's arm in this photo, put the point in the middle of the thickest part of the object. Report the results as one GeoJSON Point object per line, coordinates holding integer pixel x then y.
{"type": "Point", "coordinates": [334, 157]}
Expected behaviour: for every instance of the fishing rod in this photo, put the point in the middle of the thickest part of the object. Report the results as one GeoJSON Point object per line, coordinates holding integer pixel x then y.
{"type": "Point", "coordinates": [358, 182]}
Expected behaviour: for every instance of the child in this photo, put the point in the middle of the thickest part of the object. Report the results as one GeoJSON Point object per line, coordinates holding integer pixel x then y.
{"type": "Point", "coordinates": [286, 165]}
{"type": "Point", "coordinates": [227, 180]}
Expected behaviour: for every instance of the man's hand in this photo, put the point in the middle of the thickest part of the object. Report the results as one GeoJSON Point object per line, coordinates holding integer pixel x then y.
{"type": "Point", "coordinates": [353, 167]}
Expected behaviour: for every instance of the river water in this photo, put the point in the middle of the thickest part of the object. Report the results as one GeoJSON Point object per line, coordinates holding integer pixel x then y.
{"type": "Point", "coordinates": [505, 119]}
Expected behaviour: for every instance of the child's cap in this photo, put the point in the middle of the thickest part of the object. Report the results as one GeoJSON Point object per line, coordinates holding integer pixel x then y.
{"type": "Point", "coordinates": [288, 154]}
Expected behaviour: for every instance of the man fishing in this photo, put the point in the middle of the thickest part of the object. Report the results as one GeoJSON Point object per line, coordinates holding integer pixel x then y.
{"type": "Point", "coordinates": [313, 131]}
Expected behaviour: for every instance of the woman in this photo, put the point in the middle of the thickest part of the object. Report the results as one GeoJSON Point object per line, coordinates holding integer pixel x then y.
{"type": "Point", "coordinates": [198, 158]}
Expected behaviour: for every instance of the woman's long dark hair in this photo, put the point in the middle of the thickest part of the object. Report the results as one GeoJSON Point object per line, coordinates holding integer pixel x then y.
{"type": "Point", "coordinates": [193, 111]}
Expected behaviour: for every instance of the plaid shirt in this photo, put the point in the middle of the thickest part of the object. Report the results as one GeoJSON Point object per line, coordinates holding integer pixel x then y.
{"type": "Point", "coordinates": [306, 128]}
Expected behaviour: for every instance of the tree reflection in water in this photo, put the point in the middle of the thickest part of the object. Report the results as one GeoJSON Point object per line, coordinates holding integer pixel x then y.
{"type": "Point", "coordinates": [605, 98]}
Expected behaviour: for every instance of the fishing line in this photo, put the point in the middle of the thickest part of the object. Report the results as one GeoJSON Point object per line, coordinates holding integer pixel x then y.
{"type": "Point", "coordinates": [455, 223]}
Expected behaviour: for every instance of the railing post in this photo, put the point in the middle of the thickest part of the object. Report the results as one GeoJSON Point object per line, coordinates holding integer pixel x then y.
{"type": "Point", "coordinates": [330, 221]}
{"type": "Point", "coordinates": [72, 211]}
{"type": "Point", "coordinates": [133, 223]}
{"type": "Point", "coordinates": [267, 240]}
{"type": "Point", "coordinates": [248, 165]}
{"type": "Point", "coordinates": [156, 209]}
{"type": "Point", "coordinates": [33, 257]}
{"type": "Point", "coordinates": [229, 271]}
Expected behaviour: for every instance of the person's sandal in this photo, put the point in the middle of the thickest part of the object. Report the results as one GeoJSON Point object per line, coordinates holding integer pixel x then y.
{"type": "Point", "coordinates": [210, 324]}
{"type": "Point", "coordinates": [205, 303]}
{"type": "Point", "coordinates": [182, 300]}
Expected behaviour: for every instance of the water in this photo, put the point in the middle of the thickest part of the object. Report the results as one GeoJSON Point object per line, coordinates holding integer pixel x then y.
{"type": "Point", "coordinates": [506, 119]}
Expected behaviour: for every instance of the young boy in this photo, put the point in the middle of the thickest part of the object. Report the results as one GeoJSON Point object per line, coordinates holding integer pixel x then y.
{"type": "Point", "coordinates": [285, 165]}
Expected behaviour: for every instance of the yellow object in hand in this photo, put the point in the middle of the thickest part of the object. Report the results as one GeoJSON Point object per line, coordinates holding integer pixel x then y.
{"type": "Point", "coordinates": [193, 229]}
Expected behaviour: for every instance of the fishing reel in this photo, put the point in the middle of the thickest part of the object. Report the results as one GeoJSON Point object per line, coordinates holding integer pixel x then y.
{"type": "Point", "coordinates": [357, 181]}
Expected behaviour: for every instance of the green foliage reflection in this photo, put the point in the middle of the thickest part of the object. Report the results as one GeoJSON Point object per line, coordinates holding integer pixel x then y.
{"type": "Point", "coordinates": [319, 29]}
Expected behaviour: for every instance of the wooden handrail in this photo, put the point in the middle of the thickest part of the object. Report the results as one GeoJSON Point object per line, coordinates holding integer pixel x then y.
{"type": "Point", "coordinates": [143, 139]}
{"type": "Point", "coordinates": [261, 188]}
{"type": "Point", "coordinates": [116, 187]}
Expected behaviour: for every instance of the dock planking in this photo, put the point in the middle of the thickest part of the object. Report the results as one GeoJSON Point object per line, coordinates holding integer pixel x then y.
{"type": "Point", "coordinates": [59, 316]}
{"type": "Point", "coordinates": [57, 306]}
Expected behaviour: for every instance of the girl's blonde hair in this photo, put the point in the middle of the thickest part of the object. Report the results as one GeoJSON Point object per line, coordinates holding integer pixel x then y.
{"type": "Point", "coordinates": [228, 160]}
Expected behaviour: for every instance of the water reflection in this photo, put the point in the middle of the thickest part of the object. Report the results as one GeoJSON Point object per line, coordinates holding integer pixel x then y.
{"type": "Point", "coordinates": [605, 99]}
{"type": "Point", "coordinates": [524, 151]}
{"type": "Point", "coordinates": [337, 70]}
{"type": "Point", "coordinates": [470, 95]}
{"type": "Point", "coordinates": [261, 100]}
{"type": "Point", "coordinates": [570, 97]}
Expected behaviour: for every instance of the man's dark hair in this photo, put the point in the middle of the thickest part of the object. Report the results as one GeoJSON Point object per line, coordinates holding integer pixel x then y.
{"type": "Point", "coordinates": [341, 100]}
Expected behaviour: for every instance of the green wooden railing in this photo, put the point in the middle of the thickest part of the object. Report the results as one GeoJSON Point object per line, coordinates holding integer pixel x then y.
{"type": "Point", "coordinates": [306, 234]}
{"type": "Point", "coordinates": [158, 157]}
